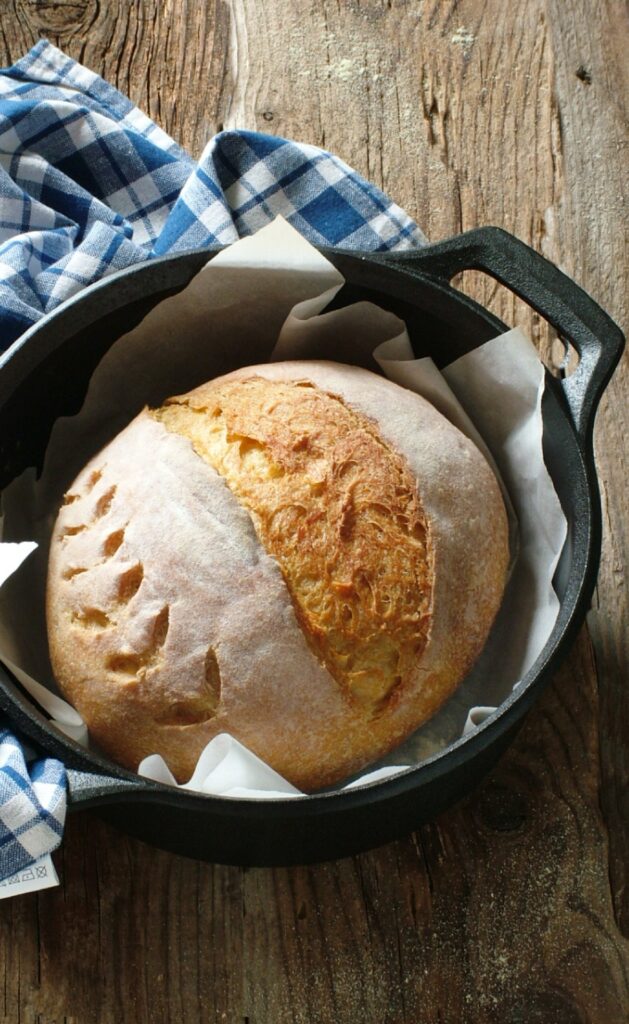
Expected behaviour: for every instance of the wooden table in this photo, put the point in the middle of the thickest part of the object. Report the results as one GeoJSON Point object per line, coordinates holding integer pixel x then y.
{"type": "Point", "coordinates": [512, 907]}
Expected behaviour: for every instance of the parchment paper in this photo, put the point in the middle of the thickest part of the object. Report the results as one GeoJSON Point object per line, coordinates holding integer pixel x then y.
{"type": "Point", "coordinates": [263, 299]}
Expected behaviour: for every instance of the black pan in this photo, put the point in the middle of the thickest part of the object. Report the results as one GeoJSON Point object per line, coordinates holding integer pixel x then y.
{"type": "Point", "coordinates": [45, 375]}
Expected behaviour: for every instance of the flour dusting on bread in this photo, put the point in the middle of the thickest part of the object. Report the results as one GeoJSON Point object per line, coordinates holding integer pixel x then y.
{"type": "Point", "coordinates": [304, 555]}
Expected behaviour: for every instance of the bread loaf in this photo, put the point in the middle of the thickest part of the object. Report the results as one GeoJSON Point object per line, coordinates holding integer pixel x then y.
{"type": "Point", "coordinates": [304, 555]}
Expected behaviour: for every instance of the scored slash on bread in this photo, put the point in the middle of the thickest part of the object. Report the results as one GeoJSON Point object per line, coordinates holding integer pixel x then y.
{"type": "Point", "coordinates": [304, 555]}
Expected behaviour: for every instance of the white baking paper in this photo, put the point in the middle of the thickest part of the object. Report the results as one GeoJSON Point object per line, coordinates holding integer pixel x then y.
{"type": "Point", "coordinates": [263, 299]}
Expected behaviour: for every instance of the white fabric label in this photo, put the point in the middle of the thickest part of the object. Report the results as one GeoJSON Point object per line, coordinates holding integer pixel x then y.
{"type": "Point", "coordinates": [40, 875]}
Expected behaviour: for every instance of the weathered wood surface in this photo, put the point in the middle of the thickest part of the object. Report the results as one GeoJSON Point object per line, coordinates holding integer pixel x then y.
{"type": "Point", "coordinates": [513, 907]}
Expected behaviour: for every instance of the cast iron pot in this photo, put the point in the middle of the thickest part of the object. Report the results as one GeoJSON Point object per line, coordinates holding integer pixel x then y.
{"type": "Point", "coordinates": [45, 375]}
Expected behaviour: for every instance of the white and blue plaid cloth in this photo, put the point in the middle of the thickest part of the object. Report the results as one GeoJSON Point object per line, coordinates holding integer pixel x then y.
{"type": "Point", "coordinates": [32, 806]}
{"type": "Point", "coordinates": [89, 185]}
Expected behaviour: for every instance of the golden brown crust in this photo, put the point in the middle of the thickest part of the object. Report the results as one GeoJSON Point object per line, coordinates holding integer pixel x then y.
{"type": "Point", "coordinates": [174, 583]}
{"type": "Point", "coordinates": [339, 511]}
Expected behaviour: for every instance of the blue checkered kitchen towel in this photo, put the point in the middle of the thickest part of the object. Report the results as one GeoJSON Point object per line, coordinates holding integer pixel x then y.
{"type": "Point", "coordinates": [88, 185]}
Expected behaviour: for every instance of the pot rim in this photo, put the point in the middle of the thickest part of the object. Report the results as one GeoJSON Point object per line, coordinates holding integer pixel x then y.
{"type": "Point", "coordinates": [94, 779]}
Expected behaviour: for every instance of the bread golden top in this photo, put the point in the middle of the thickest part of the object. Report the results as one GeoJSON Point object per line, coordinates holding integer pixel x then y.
{"type": "Point", "coordinates": [339, 511]}
{"type": "Point", "coordinates": [303, 555]}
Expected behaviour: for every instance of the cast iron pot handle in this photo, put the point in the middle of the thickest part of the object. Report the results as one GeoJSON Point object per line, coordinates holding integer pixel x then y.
{"type": "Point", "coordinates": [597, 339]}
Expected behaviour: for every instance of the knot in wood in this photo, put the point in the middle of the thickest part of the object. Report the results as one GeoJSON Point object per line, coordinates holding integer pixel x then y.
{"type": "Point", "coordinates": [55, 17]}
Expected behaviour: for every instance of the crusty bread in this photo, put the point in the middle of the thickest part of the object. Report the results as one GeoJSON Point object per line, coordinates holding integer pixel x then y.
{"type": "Point", "coordinates": [304, 555]}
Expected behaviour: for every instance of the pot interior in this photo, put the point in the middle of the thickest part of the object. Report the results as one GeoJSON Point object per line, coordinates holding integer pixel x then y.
{"type": "Point", "coordinates": [46, 376]}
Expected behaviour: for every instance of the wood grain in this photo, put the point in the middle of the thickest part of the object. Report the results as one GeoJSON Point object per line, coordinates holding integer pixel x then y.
{"type": "Point", "coordinates": [514, 906]}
